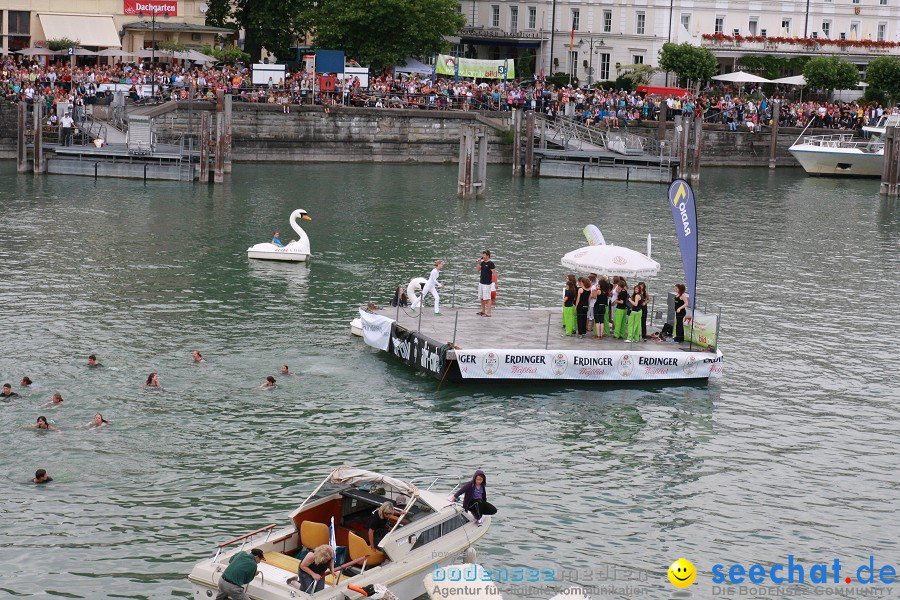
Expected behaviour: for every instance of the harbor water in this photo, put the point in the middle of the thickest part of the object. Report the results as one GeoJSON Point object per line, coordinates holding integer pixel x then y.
{"type": "Point", "coordinates": [793, 452]}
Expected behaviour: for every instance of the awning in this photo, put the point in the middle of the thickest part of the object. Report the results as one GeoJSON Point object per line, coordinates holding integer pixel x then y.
{"type": "Point", "coordinates": [88, 30]}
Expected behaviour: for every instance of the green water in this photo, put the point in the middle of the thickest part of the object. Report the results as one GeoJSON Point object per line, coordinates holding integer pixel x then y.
{"type": "Point", "coordinates": [793, 452]}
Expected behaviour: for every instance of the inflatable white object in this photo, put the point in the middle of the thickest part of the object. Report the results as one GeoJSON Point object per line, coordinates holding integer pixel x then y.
{"type": "Point", "coordinates": [296, 251]}
{"type": "Point", "coordinates": [414, 287]}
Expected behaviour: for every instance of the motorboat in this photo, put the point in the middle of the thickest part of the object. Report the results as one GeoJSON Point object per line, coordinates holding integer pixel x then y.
{"type": "Point", "coordinates": [845, 154]}
{"type": "Point", "coordinates": [429, 531]}
{"type": "Point", "coordinates": [295, 251]}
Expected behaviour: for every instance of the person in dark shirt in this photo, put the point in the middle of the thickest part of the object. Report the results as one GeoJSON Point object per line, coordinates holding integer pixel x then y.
{"type": "Point", "coordinates": [40, 476]}
{"type": "Point", "coordinates": [621, 310]}
{"type": "Point", "coordinates": [7, 392]}
{"type": "Point", "coordinates": [311, 574]}
{"type": "Point", "coordinates": [242, 568]}
{"type": "Point", "coordinates": [379, 524]}
{"type": "Point", "coordinates": [474, 495]}
{"type": "Point", "coordinates": [486, 266]}
{"type": "Point", "coordinates": [92, 362]}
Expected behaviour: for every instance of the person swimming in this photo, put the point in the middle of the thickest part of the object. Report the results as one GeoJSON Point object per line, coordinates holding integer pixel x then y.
{"type": "Point", "coordinates": [40, 476]}
{"type": "Point", "coordinates": [42, 423]}
{"type": "Point", "coordinates": [269, 384]}
{"type": "Point", "coordinates": [195, 354]}
{"type": "Point", "coordinates": [97, 422]}
{"type": "Point", "coordinates": [26, 381]}
{"type": "Point", "coordinates": [56, 400]}
{"type": "Point", "coordinates": [7, 392]}
{"type": "Point", "coordinates": [92, 362]}
{"type": "Point", "coordinates": [152, 380]}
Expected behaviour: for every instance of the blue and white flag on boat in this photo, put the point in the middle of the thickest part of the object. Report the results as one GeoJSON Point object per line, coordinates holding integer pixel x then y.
{"type": "Point", "coordinates": [331, 541]}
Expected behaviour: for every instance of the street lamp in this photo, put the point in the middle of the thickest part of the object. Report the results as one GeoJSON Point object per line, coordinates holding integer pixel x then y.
{"type": "Point", "coordinates": [153, 14]}
{"type": "Point", "coordinates": [600, 45]}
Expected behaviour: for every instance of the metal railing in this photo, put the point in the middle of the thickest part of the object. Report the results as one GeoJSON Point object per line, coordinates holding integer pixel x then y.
{"type": "Point", "coordinates": [844, 140]}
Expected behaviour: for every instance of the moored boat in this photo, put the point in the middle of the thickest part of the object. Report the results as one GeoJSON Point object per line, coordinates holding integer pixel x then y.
{"type": "Point", "coordinates": [844, 154]}
{"type": "Point", "coordinates": [429, 530]}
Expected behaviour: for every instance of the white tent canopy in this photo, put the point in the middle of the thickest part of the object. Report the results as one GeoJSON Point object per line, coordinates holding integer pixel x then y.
{"type": "Point", "coordinates": [411, 65]}
{"type": "Point", "coordinates": [89, 30]}
{"type": "Point", "coordinates": [795, 80]}
{"type": "Point", "coordinates": [611, 260]}
{"type": "Point", "coordinates": [741, 77]}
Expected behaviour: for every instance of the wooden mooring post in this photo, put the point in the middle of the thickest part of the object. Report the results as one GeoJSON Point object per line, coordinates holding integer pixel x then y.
{"type": "Point", "coordinates": [773, 143]}
{"type": "Point", "coordinates": [219, 172]}
{"type": "Point", "coordinates": [204, 146]}
{"type": "Point", "coordinates": [22, 165]}
{"type": "Point", "coordinates": [663, 113]}
{"type": "Point", "coordinates": [473, 149]}
{"type": "Point", "coordinates": [517, 142]}
{"type": "Point", "coordinates": [228, 113]}
{"type": "Point", "coordinates": [529, 145]}
{"type": "Point", "coordinates": [890, 170]}
{"type": "Point", "coordinates": [683, 137]}
{"type": "Point", "coordinates": [38, 121]}
{"type": "Point", "coordinates": [698, 149]}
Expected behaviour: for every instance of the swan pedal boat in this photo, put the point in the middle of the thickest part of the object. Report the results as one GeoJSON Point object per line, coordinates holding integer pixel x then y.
{"type": "Point", "coordinates": [296, 251]}
{"type": "Point", "coordinates": [430, 531]}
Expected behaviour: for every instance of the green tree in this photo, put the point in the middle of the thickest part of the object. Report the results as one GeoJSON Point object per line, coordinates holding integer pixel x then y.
{"type": "Point", "coordinates": [272, 24]}
{"type": "Point", "coordinates": [688, 62]}
{"type": "Point", "coordinates": [228, 54]}
{"type": "Point", "coordinates": [218, 13]}
{"type": "Point", "coordinates": [56, 44]}
{"type": "Point", "coordinates": [830, 73]}
{"type": "Point", "coordinates": [637, 74]}
{"type": "Point", "coordinates": [883, 74]}
{"type": "Point", "coordinates": [381, 33]}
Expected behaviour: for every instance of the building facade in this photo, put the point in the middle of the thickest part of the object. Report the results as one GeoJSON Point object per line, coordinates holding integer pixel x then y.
{"type": "Point", "coordinates": [596, 41]}
{"type": "Point", "coordinates": [98, 24]}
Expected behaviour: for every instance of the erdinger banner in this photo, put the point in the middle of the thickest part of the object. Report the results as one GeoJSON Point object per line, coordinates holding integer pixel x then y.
{"type": "Point", "coordinates": [148, 7]}
{"type": "Point", "coordinates": [587, 365]}
{"type": "Point", "coordinates": [376, 329]}
{"type": "Point", "coordinates": [418, 351]}
{"type": "Point", "coordinates": [684, 211]}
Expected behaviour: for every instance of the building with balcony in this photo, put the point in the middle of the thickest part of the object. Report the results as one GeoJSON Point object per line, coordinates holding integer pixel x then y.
{"type": "Point", "coordinates": [595, 41]}
{"type": "Point", "coordinates": [98, 24]}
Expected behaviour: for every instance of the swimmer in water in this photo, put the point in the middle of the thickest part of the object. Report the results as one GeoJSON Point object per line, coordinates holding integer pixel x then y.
{"type": "Point", "coordinates": [42, 423]}
{"type": "Point", "coordinates": [152, 380]}
{"type": "Point", "coordinates": [26, 381]}
{"type": "Point", "coordinates": [197, 356]}
{"type": "Point", "coordinates": [40, 476]}
{"type": "Point", "coordinates": [277, 241]}
{"type": "Point", "coordinates": [269, 384]}
{"type": "Point", "coordinates": [55, 401]}
{"type": "Point", "coordinates": [92, 362]}
{"type": "Point", "coordinates": [7, 392]}
{"type": "Point", "coordinates": [97, 422]}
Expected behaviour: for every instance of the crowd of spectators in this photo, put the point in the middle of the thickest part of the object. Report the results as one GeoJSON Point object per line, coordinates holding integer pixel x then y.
{"type": "Point", "coordinates": [86, 84]}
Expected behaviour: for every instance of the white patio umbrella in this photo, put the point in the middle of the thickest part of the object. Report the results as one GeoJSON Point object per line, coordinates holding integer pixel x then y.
{"type": "Point", "coordinates": [78, 52]}
{"type": "Point", "coordinates": [741, 77]}
{"type": "Point", "coordinates": [36, 52]}
{"type": "Point", "coordinates": [611, 260]}
{"type": "Point", "coordinates": [195, 56]}
{"type": "Point", "coordinates": [115, 52]}
{"type": "Point", "coordinates": [795, 80]}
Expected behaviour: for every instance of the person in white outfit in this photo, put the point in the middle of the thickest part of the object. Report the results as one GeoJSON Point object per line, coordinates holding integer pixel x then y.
{"type": "Point", "coordinates": [431, 287]}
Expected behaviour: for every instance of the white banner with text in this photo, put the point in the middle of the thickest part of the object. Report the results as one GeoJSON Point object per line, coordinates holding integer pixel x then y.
{"type": "Point", "coordinates": [376, 329]}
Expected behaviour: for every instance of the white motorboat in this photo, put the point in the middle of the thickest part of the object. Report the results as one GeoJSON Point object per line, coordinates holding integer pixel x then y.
{"type": "Point", "coordinates": [430, 531]}
{"type": "Point", "coordinates": [295, 251]}
{"type": "Point", "coordinates": [844, 154]}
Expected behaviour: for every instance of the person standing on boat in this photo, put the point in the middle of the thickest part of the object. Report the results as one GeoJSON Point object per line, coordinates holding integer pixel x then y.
{"type": "Point", "coordinates": [242, 568]}
{"type": "Point", "coordinates": [474, 495]}
{"type": "Point", "coordinates": [621, 310]}
{"type": "Point", "coordinates": [486, 266]}
{"type": "Point", "coordinates": [681, 299]}
{"type": "Point", "coordinates": [570, 294]}
{"type": "Point", "coordinates": [431, 287]}
{"type": "Point", "coordinates": [634, 316]}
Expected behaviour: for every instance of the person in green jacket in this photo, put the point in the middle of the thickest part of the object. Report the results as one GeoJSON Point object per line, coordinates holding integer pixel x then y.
{"type": "Point", "coordinates": [241, 571]}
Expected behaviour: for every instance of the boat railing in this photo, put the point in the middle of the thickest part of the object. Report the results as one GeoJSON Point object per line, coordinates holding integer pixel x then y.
{"type": "Point", "coordinates": [243, 539]}
{"type": "Point", "coordinates": [433, 479]}
{"type": "Point", "coordinates": [845, 140]}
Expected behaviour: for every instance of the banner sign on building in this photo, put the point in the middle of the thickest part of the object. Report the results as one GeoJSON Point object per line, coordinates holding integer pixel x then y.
{"type": "Point", "coordinates": [684, 211]}
{"type": "Point", "coordinates": [470, 67]}
{"type": "Point", "coordinates": [149, 7]}
{"type": "Point", "coordinates": [376, 329]}
{"type": "Point", "coordinates": [587, 365]}
{"type": "Point", "coordinates": [418, 351]}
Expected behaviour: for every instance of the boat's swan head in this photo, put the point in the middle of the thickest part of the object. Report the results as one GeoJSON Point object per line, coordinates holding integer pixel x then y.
{"type": "Point", "coordinates": [300, 214]}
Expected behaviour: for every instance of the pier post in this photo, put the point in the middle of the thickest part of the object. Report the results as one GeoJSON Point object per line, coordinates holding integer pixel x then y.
{"type": "Point", "coordinates": [517, 142]}
{"type": "Point", "coordinates": [38, 122]}
{"type": "Point", "coordinates": [698, 149]}
{"type": "Point", "coordinates": [219, 175]}
{"type": "Point", "coordinates": [685, 140]}
{"type": "Point", "coordinates": [886, 165]}
{"type": "Point", "coordinates": [895, 163]}
{"type": "Point", "coordinates": [773, 143]}
{"type": "Point", "coordinates": [455, 324]}
{"type": "Point", "coordinates": [676, 142]}
{"type": "Point", "coordinates": [204, 147]}
{"type": "Point", "coordinates": [663, 113]}
{"type": "Point", "coordinates": [466, 150]}
{"type": "Point", "coordinates": [21, 147]}
{"type": "Point", "coordinates": [529, 145]}
{"type": "Point", "coordinates": [482, 161]}
{"type": "Point", "coordinates": [228, 121]}
{"type": "Point", "coordinates": [547, 341]}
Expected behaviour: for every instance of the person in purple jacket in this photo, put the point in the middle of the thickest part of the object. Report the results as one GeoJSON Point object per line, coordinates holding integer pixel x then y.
{"type": "Point", "coordinates": [474, 495]}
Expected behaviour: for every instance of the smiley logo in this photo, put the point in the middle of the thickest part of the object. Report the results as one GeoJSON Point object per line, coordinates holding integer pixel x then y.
{"type": "Point", "coordinates": [682, 573]}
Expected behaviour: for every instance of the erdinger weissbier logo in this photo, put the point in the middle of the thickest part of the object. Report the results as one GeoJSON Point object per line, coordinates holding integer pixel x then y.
{"type": "Point", "coordinates": [559, 364]}
{"type": "Point", "coordinates": [626, 366]}
{"type": "Point", "coordinates": [490, 363]}
{"type": "Point", "coordinates": [690, 367]}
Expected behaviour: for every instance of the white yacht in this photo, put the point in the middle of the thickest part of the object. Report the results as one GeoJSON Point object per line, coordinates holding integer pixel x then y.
{"type": "Point", "coordinates": [430, 531]}
{"type": "Point", "coordinates": [843, 153]}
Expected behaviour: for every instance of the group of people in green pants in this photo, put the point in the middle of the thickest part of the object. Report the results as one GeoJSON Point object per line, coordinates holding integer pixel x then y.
{"type": "Point", "coordinates": [606, 307]}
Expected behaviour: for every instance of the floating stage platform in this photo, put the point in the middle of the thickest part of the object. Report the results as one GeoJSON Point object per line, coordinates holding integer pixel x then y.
{"type": "Point", "coordinates": [167, 161]}
{"type": "Point", "coordinates": [525, 344]}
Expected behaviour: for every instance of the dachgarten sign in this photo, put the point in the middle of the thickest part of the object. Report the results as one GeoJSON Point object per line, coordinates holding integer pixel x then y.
{"type": "Point", "coordinates": [159, 7]}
